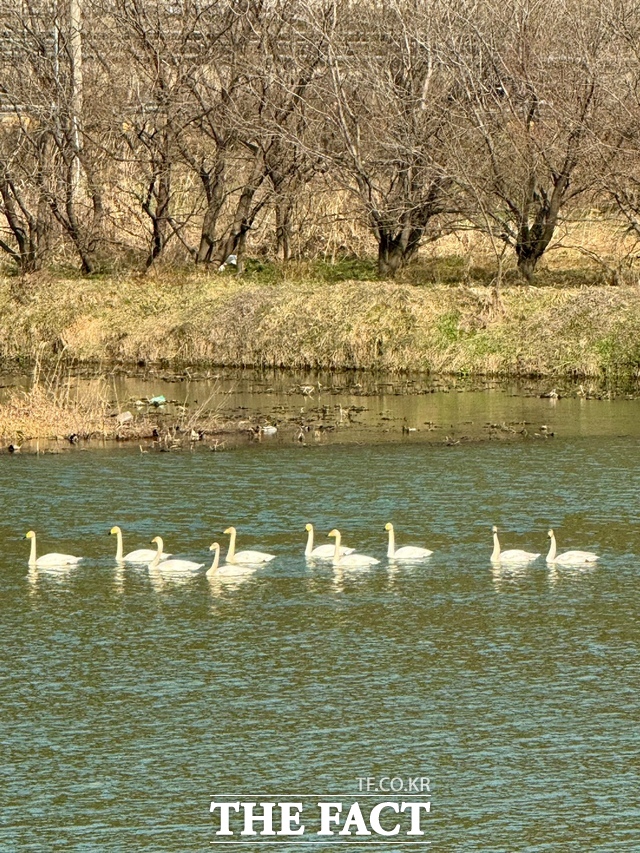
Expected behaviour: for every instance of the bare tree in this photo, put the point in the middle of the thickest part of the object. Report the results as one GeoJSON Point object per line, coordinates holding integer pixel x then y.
{"type": "Point", "coordinates": [196, 123]}
{"type": "Point", "coordinates": [248, 102]}
{"type": "Point", "coordinates": [619, 137]}
{"type": "Point", "coordinates": [151, 53]}
{"type": "Point", "coordinates": [386, 122]}
{"type": "Point", "coordinates": [42, 152]}
{"type": "Point", "coordinates": [529, 96]}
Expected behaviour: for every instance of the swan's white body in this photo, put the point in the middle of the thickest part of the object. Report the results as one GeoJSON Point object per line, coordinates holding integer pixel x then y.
{"type": "Point", "coordinates": [322, 552]}
{"type": "Point", "coordinates": [226, 570]}
{"type": "Point", "coordinates": [48, 561]}
{"type": "Point", "coordinates": [244, 556]}
{"type": "Point", "coordinates": [569, 558]}
{"type": "Point", "coordinates": [513, 556]}
{"type": "Point", "coordinates": [174, 567]}
{"type": "Point", "coordinates": [142, 555]}
{"type": "Point", "coordinates": [407, 552]}
{"type": "Point", "coordinates": [349, 560]}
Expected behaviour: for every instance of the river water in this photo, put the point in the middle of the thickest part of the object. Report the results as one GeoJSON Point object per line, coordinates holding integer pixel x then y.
{"type": "Point", "coordinates": [128, 703]}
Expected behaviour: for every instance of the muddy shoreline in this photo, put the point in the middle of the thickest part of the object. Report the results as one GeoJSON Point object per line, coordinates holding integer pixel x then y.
{"type": "Point", "coordinates": [215, 410]}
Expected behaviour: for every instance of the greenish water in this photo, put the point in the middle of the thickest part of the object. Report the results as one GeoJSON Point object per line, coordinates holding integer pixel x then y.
{"type": "Point", "coordinates": [128, 704]}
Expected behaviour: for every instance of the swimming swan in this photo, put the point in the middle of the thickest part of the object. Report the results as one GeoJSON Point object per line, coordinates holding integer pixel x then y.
{"type": "Point", "coordinates": [226, 570]}
{"type": "Point", "coordinates": [408, 552]}
{"type": "Point", "coordinates": [142, 555]}
{"type": "Point", "coordinates": [349, 559]}
{"type": "Point", "coordinates": [322, 552]}
{"type": "Point", "coordinates": [244, 556]}
{"type": "Point", "coordinates": [48, 560]}
{"type": "Point", "coordinates": [514, 556]}
{"type": "Point", "coordinates": [569, 558]}
{"type": "Point", "coordinates": [171, 566]}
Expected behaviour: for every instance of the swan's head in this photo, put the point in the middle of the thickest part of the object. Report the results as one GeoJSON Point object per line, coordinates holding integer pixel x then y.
{"type": "Point", "coordinates": [157, 540]}
{"type": "Point", "coordinates": [388, 526]}
{"type": "Point", "coordinates": [229, 531]}
{"type": "Point", "coordinates": [308, 527]}
{"type": "Point", "coordinates": [334, 533]}
{"type": "Point", "coordinates": [30, 535]}
{"type": "Point", "coordinates": [214, 546]}
{"type": "Point", "coordinates": [550, 534]}
{"type": "Point", "coordinates": [494, 529]}
{"type": "Point", "coordinates": [114, 531]}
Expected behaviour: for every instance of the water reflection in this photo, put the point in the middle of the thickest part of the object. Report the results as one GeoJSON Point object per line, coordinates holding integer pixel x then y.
{"type": "Point", "coordinates": [558, 573]}
{"type": "Point", "coordinates": [58, 577]}
{"type": "Point", "coordinates": [338, 579]}
{"type": "Point", "coordinates": [118, 578]}
{"type": "Point", "coordinates": [219, 583]}
{"type": "Point", "coordinates": [509, 575]}
{"type": "Point", "coordinates": [163, 580]}
{"type": "Point", "coordinates": [33, 577]}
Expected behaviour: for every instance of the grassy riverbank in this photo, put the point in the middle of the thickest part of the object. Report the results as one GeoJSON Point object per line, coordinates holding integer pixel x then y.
{"type": "Point", "coordinates": [277, 320]}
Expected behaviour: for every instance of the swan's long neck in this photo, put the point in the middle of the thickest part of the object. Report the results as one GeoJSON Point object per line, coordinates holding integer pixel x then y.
{"type": "Point", "coordinates": [231, 553]}
{"type": "Point", "coordinates": [309, 548]}
{"type": "Point", "coordinates": [156, 560]}
{"type": "Point", "coordinates": [119, 548]}
{"type": "Point", "coordinates": [496, 548]}
{"type": "Point", "coordinates": [391, 550]}
{"type": "Point", "coordinates": [552, 550]}
{"type": "Point", "coordinates": [336, 551]}
{"type": "Point", "coordinates": [216, 560]}
{"type": "Point", "coordinates": [32, 555]}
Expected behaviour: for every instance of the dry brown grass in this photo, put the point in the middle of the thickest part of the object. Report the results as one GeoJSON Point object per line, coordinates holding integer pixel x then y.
{"type": "Point", "coordinates": [57, 406]}
{"type": "Point", "coordinates": [425, 321]}
{"type": "Point", "coordinates": [54, 408]}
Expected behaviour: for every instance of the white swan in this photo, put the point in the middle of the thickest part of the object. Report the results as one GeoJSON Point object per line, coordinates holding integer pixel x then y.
{"type": "Point", "coordinates": [408, 552]}
{"type": "Point", "coordinates": [244, 556]}
{"type": "Point", "coordinates": [171, 566]}
{"type": "Point", "coordinates": [514, 556]}
{"type": "Point", "coordinates": [349, 559]}
{"type": "Point", "coordinates": [142, 555]}
{"type": "Point", "coordinates": [52, 560]}
{"type": "Point", "coordinates": [322, 552]}
{"type": "Point", "coordinates": [569, 558]}
{"type": "Point", "coordinates": [217, 571]}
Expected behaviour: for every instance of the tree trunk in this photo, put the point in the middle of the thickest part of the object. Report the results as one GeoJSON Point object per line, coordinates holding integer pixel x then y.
{"type": "Point", "coordinates": [235, 241]}
{"type": "Point", "coordinates": [214, 186]}
{"type": "Point", "coordinates": [29, 230]}
{"type": "Point", "coordinates": [160, 189]}
{"type": "Point", "coordinates": [394, 252]}
{"type": "Point", "coordinates": [527, 266]}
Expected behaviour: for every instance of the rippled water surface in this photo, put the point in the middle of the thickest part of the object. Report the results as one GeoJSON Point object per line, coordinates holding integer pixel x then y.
{"type": "Point", "coordinates": [127, 703]}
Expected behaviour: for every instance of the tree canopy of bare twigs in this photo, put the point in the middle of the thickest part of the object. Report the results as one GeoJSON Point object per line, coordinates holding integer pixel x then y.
{"type": "Point", "coordinates": [133, 131]}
